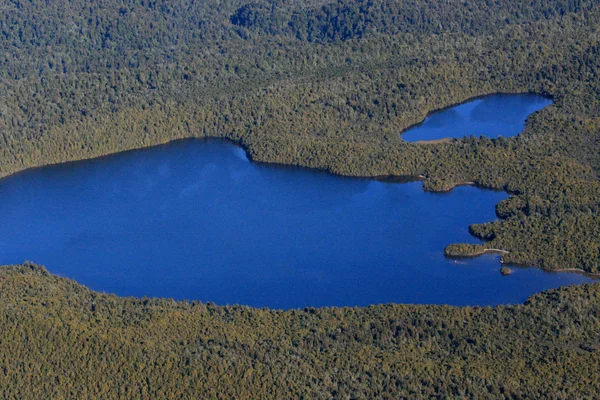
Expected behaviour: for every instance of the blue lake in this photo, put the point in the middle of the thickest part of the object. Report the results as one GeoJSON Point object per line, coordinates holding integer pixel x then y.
{"type": "Point", "coordinates": [196, 220]}
{"type": "Point", "coordinates": [491, 116]}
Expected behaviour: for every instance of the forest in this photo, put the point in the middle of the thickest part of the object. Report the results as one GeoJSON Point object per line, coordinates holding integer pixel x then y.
{"type": "Point", "coordinates": [323, 84]}
{"type": "Point", "coordinates": [326, 84]}
{"type": "Point", "coordinates": [61, 340]}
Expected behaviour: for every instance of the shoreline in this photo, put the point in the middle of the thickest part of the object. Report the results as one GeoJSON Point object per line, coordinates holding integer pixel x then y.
{"type": "Point", "coordinates": [479, 253]}
{"type": "Point", "coordinates": [433, 141]}
{"type": "Point", "coordinates": [593, 275]}
{"type": "Point", "coordinates": [30, 267]}
{"type": "Point", "coordinates": [572, 270]}
{"type": "Point", "coordinates": [470, 99]}
{"type": "Point", "coordinates": [385, 178]}
{"type": "Point", "coordinates": [399, 179]}
{"type": "Point", "coordinates": [239, 142]}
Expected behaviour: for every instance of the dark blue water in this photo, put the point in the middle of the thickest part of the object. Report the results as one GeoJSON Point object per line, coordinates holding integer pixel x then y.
{"type": "Point", "coordinates": [197, 220]}
{"type": "Point", "coordinates": [490, 116]}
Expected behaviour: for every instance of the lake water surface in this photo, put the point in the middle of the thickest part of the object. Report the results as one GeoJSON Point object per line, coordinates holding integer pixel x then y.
{"type": "Point", "coordinates": [491, 116]}
{"type": "Point", "coordinates": [196, 220]}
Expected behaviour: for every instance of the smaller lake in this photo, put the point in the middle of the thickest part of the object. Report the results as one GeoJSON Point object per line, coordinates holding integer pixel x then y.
{"type": "Point", "coordinates": [196, 220]}
{"type": "Point", "coordinates": [491, 116]}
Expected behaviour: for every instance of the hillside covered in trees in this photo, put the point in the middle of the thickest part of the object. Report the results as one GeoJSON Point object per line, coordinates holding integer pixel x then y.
{"type": "Point", "coordinates": [323, 84]}
{"type": "Point", "coordinates": [61, 340]}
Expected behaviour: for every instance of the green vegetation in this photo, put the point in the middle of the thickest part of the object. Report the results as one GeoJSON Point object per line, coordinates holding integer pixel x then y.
{"type": "Point", "coordinates": [464, 250]}
{"type": "Point", "coordinates": [61, 340]}
{"type": "Point", "coordinates": [330, 85]}
{"type": "Point", "coordinates": [505, 271]}
{"type": "Point", "coordinates": [323, 84]}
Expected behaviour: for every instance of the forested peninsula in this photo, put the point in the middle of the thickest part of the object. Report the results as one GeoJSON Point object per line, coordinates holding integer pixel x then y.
{"type": "Point", "coordinates": [327, 84]}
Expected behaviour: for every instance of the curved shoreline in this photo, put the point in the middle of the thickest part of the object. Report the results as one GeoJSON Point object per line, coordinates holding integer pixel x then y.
{"type": "Point", "coordinates": [31, 267]}
{"type": "Point", "coordinates": [400, 179]}
{"type": "Point", "coordinates": [470, 99]}
{"type": "Point", "coordinates": [593, 275]}
{"type": "Point", "coordinates": [239, 142]}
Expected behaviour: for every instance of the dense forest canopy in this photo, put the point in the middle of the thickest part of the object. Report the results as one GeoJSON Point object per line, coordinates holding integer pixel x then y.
{"type": "Point", "coordinates": [61, 340]}
{"type": "Point", "coordinates": [349, 19]}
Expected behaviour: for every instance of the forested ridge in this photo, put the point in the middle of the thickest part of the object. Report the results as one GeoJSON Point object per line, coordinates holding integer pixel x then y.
{"type": "Point", "coordinates": [349, 19]}
{"type": "Point", "coordinates": [61, 340]}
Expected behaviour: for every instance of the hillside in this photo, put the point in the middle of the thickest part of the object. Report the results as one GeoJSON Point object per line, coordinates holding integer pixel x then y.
{"type": "Point", "coordinates": [322, 84]}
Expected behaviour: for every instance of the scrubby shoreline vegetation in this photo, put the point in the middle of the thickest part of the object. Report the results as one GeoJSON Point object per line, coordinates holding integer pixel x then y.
{"type": "Point", "coordinates": [470, 250]}
{"type": "Point", "coordinates": [61, 340]}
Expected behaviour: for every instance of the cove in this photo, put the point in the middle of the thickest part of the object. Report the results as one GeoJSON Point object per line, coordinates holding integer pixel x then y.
{"type": "Point", "coordinates": [491, 116]}
{"type": "Point", "coordinates": [195, 219]}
